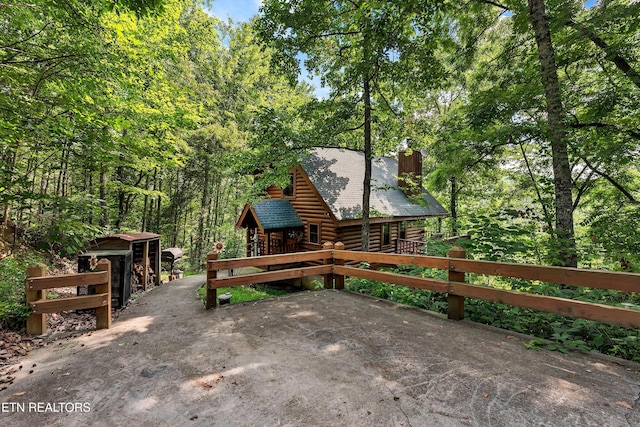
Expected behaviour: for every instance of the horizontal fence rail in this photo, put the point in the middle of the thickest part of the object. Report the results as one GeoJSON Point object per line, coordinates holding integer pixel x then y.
{"type": "Point", "coordinates": [37, 283]}
{"type": "Point", "coordinates": [455, 287]}
{"type": "Point", "coordinates": [214, 265]}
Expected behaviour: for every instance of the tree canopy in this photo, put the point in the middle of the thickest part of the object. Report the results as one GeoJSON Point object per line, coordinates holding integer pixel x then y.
{"type": "Point", "coordinates": [153, 115]}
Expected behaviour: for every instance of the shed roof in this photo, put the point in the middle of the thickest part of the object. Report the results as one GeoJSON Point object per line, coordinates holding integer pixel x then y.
{"type": "Point", "coordinates": [338, 175]}
{"type": "Point", "coordinates": [171, 254]}
{"type": "Point", "coordinates": [274, 214]}
{"type": "Point", "coordinates": [130, 237]}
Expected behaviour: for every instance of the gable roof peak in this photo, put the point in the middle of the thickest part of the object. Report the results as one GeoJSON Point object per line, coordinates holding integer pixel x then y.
{"type": "Point", "coordinates": [338, 175]}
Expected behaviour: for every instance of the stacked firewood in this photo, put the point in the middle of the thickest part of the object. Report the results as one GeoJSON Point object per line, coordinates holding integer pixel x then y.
{"type": "Point", "coordinates": [137, 277]}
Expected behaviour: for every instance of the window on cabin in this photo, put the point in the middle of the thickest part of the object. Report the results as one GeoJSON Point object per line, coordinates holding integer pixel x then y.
{"type": "Point", "coordinates": [314, 233]}
{"type": "Point", "coordinates": [386, 234]}
{"type": "Point", "coordinates": [403, 230]}
{"type": "Point", "coordinates": [288, 190]}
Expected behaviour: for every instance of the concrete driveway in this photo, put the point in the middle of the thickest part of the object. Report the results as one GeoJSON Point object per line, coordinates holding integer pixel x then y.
{"type": "Point", "coordinates": [328, 358]}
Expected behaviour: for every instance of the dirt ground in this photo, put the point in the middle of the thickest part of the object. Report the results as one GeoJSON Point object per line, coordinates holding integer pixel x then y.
{"type": "Point", "coordinates": [327, 358]}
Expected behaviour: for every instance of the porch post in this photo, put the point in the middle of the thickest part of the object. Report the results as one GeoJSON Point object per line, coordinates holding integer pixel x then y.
{"type": "Point", "coordinates": [268, 245]}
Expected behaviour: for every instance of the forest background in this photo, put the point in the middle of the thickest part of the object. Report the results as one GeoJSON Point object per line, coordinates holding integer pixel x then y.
{"type": "Point", "coordinates": [134, 115]}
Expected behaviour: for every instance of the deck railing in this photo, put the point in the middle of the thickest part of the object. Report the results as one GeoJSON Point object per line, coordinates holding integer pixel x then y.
{"type": "Point", "coordinates": [455, 287]}
{"type": "Point", "coordinates": [37, 283]}
{"type": "Point", "coordinates": [276, 246]}
{"type": "Point", "coordinates": [414, 247]}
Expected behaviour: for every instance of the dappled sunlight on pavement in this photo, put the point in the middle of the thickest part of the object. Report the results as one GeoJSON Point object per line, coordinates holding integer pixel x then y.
{"type": "Point", "coordinates": [316, 358]}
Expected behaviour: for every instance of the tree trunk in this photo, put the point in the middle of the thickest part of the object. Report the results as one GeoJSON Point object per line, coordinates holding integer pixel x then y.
{"type": "Point", "coordinates": [555, 116]}
{"type": "Point", "coordinates": [368, 155]}
{"type": "Point", "coordinates": [12, 159]}
{"type": "Point", "coordinates": [176, 213]}
{"type": "Point", "coordinates": [158, 206]}
{"type": "Point", "coordinates": [152, 203]}
{"type": "Point", "coordinates": [143, 227]}
{"type": "Point", "coordinates": [454, 205]}
{"type": "Point", "coordinates": [121, 195]}
{"type": "Point", "coordinates": [204, 203]}
{"type": "Point", "coordinates": [89, 190]}
{"type": "Point", "coordinates": [103, 197]}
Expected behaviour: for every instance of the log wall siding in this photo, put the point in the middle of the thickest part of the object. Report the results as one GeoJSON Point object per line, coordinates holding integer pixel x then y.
{"type": "Point", "coordinates": [351, 236]}
{"type": "Point", "coordinates": [414, 232]}
{"type": "Point", "coordinates": [274, 192]}
{"type": "Point", "coordinates": [312, 210]}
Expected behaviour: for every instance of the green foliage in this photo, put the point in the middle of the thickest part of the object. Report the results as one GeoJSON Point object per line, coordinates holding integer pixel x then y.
{"type": "Point", "coordinates": [618, 232]}
{"type": "Point", "coordinates": [61, 227]}
{"type": "Point", "coordinates": [13, 309]}
{"type": "Point", "coordinates": [425, 299]}
{"type": "Point", "coordinates": [499, 236]}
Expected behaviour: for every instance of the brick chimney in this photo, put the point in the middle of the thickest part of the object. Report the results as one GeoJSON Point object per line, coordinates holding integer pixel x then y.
{"type": "Point", "coordinates": [410, 171]}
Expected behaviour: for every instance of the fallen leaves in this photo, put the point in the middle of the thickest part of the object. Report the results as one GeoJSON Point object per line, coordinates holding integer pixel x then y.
{"type": "Point", "coordinates": [204, 384]}
{"type": "Point", "coordinates": [70, 322]}
{"type": "Point", "coordinates": [13, 344]}
{"type": "Point", "coordinates": [207, 385]}
{"type": "Point", "coordinates": [625, 404]}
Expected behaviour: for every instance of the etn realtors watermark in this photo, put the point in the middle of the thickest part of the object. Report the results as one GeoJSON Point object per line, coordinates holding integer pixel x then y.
{"type": "Point", "coordinates": [45, 407]}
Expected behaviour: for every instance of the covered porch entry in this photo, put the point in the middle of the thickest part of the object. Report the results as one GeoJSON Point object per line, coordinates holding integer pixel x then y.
{"type": "Point", "coordinates": [273, 227]}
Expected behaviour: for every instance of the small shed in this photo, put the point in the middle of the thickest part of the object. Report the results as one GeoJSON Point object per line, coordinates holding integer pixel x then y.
{"type": "Point", "coordinates": [146, 252]}
{"type": "Point", "coordinates": [171, 255]}
{"type": "Point", "coordinates": [121, 271]}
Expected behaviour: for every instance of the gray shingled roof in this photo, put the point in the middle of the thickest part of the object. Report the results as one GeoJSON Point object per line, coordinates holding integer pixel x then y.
{"type": "Point", "coordinates": [338, 175]}
{"type": "Point", "coordinates": [276, 214]}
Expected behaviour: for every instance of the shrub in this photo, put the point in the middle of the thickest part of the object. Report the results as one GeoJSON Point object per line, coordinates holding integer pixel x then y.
{"type": "Point", "coordinates": [13, 309]}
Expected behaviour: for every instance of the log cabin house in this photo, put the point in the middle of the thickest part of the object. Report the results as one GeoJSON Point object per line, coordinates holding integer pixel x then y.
{"type": "Point", "coordinates": [323, 203]}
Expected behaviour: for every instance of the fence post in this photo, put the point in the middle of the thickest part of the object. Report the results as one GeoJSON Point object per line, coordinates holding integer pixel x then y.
{"type": "Point", "coordinates": [212, 294]}
{"type": "Point", "coordinates": [455, 309]}
{"type": "Point", "coordinates": [328, 278]}
{"type": "Point", "coordinates": [36, 323]}
{"type": "Point", "coordinates": [103, 314]}
{"type": "Point", "coordinates": [339, 278]}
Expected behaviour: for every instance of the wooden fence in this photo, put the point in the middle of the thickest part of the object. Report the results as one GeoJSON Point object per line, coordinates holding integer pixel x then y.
{"type": "Point", "coordinates": [37, 283]}
{"type": "Point", "coordinates": [455, 287]}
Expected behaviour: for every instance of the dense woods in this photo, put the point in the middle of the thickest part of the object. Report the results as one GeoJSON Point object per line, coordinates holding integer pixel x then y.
{"type": "Point", "coordinates": [152, 116]}
{"type": "Point", "coordinates": [117, 120]}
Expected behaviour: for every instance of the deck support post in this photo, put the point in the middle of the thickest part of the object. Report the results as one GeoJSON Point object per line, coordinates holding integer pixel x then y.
{"type": "Point", "coordinates": [455, 309]}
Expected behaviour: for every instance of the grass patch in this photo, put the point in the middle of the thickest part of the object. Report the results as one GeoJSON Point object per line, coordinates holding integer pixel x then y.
{"type": "Point", "coordinates": [245, 293]}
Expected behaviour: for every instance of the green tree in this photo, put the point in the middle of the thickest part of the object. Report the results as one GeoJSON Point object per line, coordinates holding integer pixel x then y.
{"type": "Point", "coordinates": [359, 49]}
{"type": "Point", "coordinates": [502, 115]}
